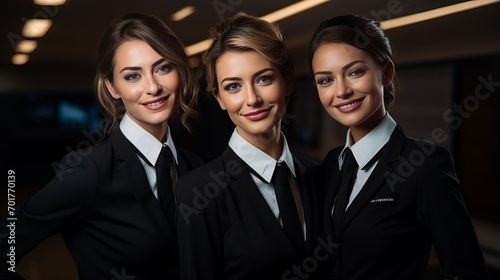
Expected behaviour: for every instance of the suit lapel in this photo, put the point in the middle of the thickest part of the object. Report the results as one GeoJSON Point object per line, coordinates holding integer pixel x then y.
{"type": "Point", "coordinates": [182, 167]}
{"type": "Point", "coordinates": [243, 186]}
{"type": "Point", "coordinates": [333, 177]}
{"type": "Point", "coordinates": [134, 176]}
{"type": "Point", "coordinates": [378, 177]}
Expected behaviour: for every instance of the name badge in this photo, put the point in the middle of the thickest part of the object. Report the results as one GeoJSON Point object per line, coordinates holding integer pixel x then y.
{"type": "Point", "coordinates": [386, 200]}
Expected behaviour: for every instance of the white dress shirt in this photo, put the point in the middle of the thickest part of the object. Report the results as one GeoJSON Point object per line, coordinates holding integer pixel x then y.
{"type": "Point", "coordinates": [148, 145]}
{"type": "Point", "coordinates": [364, 150]}
{"type": "Point", "coordinates": [264, 165]}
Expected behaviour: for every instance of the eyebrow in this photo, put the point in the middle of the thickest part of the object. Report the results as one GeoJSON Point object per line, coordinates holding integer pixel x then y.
{"type": "Point", "coordinates": [343, 68]}
{"type": "Point", "coordinates": [135, 68]}
{"type": "Point", "coordinates": [253, 76]}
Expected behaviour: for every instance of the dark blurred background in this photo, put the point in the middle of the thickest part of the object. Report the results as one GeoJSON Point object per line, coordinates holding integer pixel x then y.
{"type": "Point", "coordinates": [448, 71]}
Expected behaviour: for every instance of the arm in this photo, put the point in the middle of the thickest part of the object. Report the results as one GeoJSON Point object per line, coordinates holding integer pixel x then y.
{"type": "Point", "coordinates": [200, 235]}
{"type": "Point", "coordinates": [56, 207]}
{"type": "Point", "coordinates": [444, 213]}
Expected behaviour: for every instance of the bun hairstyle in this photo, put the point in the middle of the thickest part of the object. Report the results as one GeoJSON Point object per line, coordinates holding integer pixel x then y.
{"type": "Point", "coordinates": [243, 32]}
{"type": "Point", "coordinates": [359, 32]}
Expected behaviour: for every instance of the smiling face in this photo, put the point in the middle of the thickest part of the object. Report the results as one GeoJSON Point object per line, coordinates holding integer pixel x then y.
{"type": "Point", "coordinates": [252, 91]}
{"type": "Point", "coordinates": [147, 84]}
{"type": "Point", "coordinates": [351, 86]}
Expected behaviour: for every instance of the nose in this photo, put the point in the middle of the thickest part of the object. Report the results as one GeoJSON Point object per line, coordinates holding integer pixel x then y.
{"type": "Point", "coordinates": [151, 85]}
{"type": "Point", "coordinates": [342, 89]}
{"type": "Point", "coordinates": [252, 97]}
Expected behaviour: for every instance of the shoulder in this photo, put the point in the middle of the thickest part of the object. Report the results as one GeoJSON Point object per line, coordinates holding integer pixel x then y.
{"type": "Point", "coordinates": [306, 165]}
{"type": "Point", "coordinates": [432, 165]}
{"type": "Point", "coordinates": [199, 186]}
{"type": "Point", "coordinates": [86, 162]}
{"type": "Point", "coordinates": [332, 156]}
{"type": "Point", "coordinates": [97, 154]}
{"type": "Point", "coordinates": [191, 158]}
{"type": "Point", "coordinates": [77, 178]}
{"type": "Point", "coordinates": [206, 169]}
{"type": "Point", "coordinates": [434, 155]}
{"type": "Point", "coordinates": [420, 153]}
{"type": "Point", "coordinates": [201, 175]}
{"type": "Point", "coordinates": [306, 161]}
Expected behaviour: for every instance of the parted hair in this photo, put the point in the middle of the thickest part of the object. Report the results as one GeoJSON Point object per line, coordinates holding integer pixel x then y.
{"type": "Point", "coordinates": [241, 33]}
{"type": "Point", "coordinates": [359, 32]}
{"type": "Point", "coordinates": [153, 31]}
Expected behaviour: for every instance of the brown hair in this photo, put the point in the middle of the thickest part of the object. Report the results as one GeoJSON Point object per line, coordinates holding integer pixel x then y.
{"type": "Point", "coordinates": [361, 33]}
{"type": "Point", "coordinates": [153, 31]}
{"type": "Point", "coordinates": [243, 32]}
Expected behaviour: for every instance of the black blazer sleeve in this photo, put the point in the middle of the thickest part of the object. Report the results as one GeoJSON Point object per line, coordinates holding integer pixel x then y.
{"type": "Point", "coordinates": [55, 208]}
{"type": "Point", "coordinates": [443, 211]}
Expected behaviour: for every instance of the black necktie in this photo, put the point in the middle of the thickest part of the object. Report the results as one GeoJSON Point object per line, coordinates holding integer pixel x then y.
{"type": "Point", "coordinates": [349, 169]}
{"type": "Point", "coordinates": [287, 206]}
{"type": "Point", "coordinates": [164, 181]}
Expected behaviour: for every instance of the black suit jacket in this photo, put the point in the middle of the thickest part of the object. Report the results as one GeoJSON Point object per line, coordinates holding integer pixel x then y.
{"type": "Point", "coordinates": [101, 203]}
{"type": "Point", "coordinates": [412, 200]}
{"type": "Point", "coordinates": [227, 230]}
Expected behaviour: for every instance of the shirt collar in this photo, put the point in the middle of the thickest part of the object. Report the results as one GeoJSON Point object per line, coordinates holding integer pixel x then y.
{"type": "Point", "coordinates": [146, 143]}
{"type": "Point", "coordinates": [368, 146]}
{"type": "Point", "coordinates": [259, 161]}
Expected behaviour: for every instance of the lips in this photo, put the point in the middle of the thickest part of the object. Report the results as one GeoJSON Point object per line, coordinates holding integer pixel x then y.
{"type": "Point", "coordinates": [349, 106]}
{"type": "Point", "coordinates": [156, 104]}
{"type": "Point", "coordinates": [257, 114]}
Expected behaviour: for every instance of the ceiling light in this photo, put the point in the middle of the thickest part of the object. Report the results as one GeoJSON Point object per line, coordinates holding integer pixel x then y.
{"type": "Point", "coordinates": [182, 13]}
{"type": "Point", "coordinates": [26, 46]}
{"type": "Point", "coordinates": [272, 17]}
{"type": "Point", "coordinates": [49, 2]}
{"type": "Point", "coordinates": [198, 47]}
{"type": "Point", "coordinates": [20, 58]}
{"type": "Point", "coordinates": [431, 14]}
{"type": "Point", "coordinates": [292, 10]}
{"type": "Point", "coordinates": [34, 28]}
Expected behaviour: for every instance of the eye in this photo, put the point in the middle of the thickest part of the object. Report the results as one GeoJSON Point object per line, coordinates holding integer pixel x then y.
{"type": "Point", "coordinates": [356, 73]}
{"type": "Point", "coordinates": [265, 80]}
{"type": "Point", "coordinates": [164, 69]}
{"type": "Point", "coordinates": [131, 77]}
{"type": "Point", "coordinates": [233, 87]}
{"type": "Point", "coordinates": [324, 81]}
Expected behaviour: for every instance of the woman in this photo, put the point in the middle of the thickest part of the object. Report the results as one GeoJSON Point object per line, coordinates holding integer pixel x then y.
{"type": "Point", "coordinates": [237, 220]}
{"type": "Point", "coordinates": [114, 216]}
{"type": "Point", "coordinates": [403, 196]}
